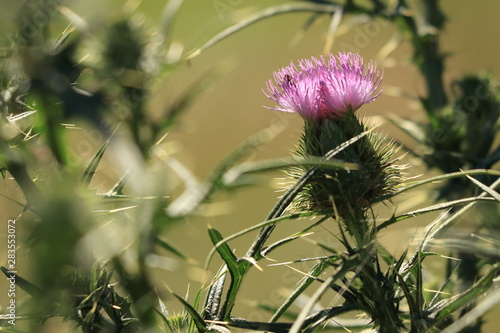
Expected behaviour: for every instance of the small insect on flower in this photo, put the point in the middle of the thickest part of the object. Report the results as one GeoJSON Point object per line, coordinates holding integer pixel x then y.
{"type": "Point", "coordinates": [322, 88]}
{"type": "Point", "coordinates": [288, 78]}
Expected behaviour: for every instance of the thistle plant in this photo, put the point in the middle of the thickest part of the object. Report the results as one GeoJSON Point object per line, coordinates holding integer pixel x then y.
{"type": "Point", "coordinates": [91, 256]}
{"type": "Point", "coordinates": [326, 93]}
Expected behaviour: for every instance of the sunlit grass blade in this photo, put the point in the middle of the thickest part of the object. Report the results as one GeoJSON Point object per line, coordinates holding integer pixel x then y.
{"type": "Point", "coordinates": [266, 13]}
{"type": "Point", "coordinates": [91, 168]}
{"type": "Point", "coordinates": [242, 169]}
{"type": "Point", "coordinates": [439, 228]}
{"type": "Point", "coordinates": [191, 199]}
{"type": "Point", "coordinates": [440, 178]}
{"type": "Point", "coordinates": [305, 282]}
{"type": "Point", "coordinates": [169, 12]}
{"type": "Point", "coordinates": [472, 244]}
{"type": "Point", "coordinates": [485, 188]}
{"type": "Point", "coordinates": [117, 189]}
{"type": "Point", "coordinates": [302, 233]}
{"type": "Point", "coordinates": [256, 227]}
{"type": "Point", "coordinates": [432, 208]}
{"type": "Point", "coordinates": [332, 29]}
{"type": "Point", "coordinates": [445, 308]}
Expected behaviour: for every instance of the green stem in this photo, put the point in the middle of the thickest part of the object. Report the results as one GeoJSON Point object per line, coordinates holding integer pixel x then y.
{"type": "Point", "coordinates": [426, 54]}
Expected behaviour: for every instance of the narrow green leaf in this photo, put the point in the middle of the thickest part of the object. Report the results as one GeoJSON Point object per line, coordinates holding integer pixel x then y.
{"type": "Point", "coordinates": [89, 171]}
{"type": "Point", "coordinates": [332, 29]}
{"type": "Point", "coordinates": [288, 239]}
{"type": "Point", "coordinates": [414, 310]}
{"type": "Point", "coordinates": [195, 316]}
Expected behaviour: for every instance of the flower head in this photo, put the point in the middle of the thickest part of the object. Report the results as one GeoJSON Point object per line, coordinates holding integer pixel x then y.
{"type": "Point", "coordinates": [322, 88]}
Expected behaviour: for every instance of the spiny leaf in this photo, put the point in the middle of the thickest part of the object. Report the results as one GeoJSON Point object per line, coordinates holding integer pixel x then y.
{"type": "Point", "coordinates": [214, 296]}
{"type": "Point", "coordinates": [255, 227]}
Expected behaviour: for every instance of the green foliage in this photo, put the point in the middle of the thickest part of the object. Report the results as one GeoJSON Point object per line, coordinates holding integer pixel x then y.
{"type": "Point", "coordinates": [93, 257]}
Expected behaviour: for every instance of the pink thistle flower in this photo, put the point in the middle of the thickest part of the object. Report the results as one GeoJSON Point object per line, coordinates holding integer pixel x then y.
{"type": "Point", "coordinates": [325, 88]}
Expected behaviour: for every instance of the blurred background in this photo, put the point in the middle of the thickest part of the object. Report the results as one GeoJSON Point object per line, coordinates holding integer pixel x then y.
{"type": "Point", "coordinates": [232, 108]}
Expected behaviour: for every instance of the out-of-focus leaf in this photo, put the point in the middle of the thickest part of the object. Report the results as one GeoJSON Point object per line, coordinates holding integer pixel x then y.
{"type": "Point", "coordinates": [332, 29]}
{"type": "Point", "coordinates": [240, 170]}
{"type": "Point", "coordinates": [411, 128]}
{"type": "Point", "coordinates": [191, 199]}
{"type": "Point", "coordinates": [24, 284]}
{"type": "Point", "coordinates": [169, 12]}
{"type": "Point", "coordinates": [170, 248]}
